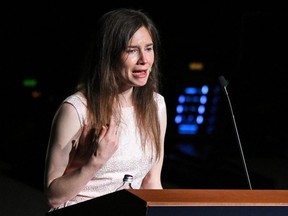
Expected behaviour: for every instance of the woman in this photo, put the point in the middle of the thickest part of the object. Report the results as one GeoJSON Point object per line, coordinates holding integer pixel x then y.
{"type": "Point", "coordinates": [115, 122]}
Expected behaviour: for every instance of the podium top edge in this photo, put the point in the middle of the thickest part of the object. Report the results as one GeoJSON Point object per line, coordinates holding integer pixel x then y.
{"type": "Point", "coordinates": [212, 197]}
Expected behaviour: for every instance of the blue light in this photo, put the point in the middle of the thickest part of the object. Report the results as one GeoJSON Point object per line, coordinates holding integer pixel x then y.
{"type": "Point", "coordinates": [188, 128]}
{"type": "Point", "coordinates": [191, 90]}
{"type": "Point", "coordinates": [194, 108]}
{"type": "Point", "coordinates": [181, 99]}
{"type": "Point", "coordinates": [201, 109]}
{"type": "Point", "coordinates": [199, 119]}
{"type": "Point", "coordinates": [178, 119]}
{"type": "Point", "coordinates": [203, 99]}
{"type": "Point", "coordinates": [179, 109]}
{"type": "Point", "coordinates": [205, 89]}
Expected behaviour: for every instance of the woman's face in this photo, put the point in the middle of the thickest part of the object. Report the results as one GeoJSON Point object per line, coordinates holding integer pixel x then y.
{"type": "Point", "coordinates": [138, 59]}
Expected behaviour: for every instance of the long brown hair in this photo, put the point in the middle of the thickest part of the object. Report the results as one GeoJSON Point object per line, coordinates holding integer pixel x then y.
{"type": "Point", "coordinates": [103, 66]}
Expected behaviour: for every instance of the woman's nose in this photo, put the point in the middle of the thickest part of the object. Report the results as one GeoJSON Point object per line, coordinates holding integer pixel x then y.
{"type": "Point", "coordinates": [143, 58]}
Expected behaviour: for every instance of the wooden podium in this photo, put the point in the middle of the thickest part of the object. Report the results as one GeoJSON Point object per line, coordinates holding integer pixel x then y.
{"type": "Point", "coordinates": [182, 202]}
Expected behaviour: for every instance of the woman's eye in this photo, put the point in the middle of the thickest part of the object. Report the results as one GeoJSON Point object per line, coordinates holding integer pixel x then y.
{"type": "Point", "coordinates": [149, 48]}
{"type": "Point", "coordinates": [132, 51]}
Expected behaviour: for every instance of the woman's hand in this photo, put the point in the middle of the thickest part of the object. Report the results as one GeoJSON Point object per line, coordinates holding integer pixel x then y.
{"type": "Point", "coordinates": [106, 144]}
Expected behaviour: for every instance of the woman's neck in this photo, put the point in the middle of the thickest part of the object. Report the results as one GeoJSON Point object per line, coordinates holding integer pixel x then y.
{"type": "Point", "coordinates": [125, 98]}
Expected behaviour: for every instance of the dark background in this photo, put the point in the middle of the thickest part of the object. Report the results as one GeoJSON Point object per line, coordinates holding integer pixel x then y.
{"type": "Point", "coordinates": [247, 43]}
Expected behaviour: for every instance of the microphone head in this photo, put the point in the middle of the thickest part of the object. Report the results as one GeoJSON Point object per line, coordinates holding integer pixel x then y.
{"type": "Point", "coordinates": [223, 82]}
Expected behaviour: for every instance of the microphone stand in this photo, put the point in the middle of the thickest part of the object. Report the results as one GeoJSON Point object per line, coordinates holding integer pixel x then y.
{"type": "Point", "coordinates": [224, 83]}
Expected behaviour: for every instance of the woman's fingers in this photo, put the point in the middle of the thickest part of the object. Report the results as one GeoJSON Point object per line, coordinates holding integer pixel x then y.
{"type": "Point", "coordinates": [103, 132]}
{"type": "Point", "coordinates": [109, 130]}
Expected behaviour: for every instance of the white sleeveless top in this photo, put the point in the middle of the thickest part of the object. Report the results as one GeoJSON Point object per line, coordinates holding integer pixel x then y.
{"type": "Point", "coordinates": [129, 158]}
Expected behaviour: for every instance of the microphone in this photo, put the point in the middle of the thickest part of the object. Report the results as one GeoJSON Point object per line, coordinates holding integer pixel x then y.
{"type": "Point", "coordinates": [224, 83]}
